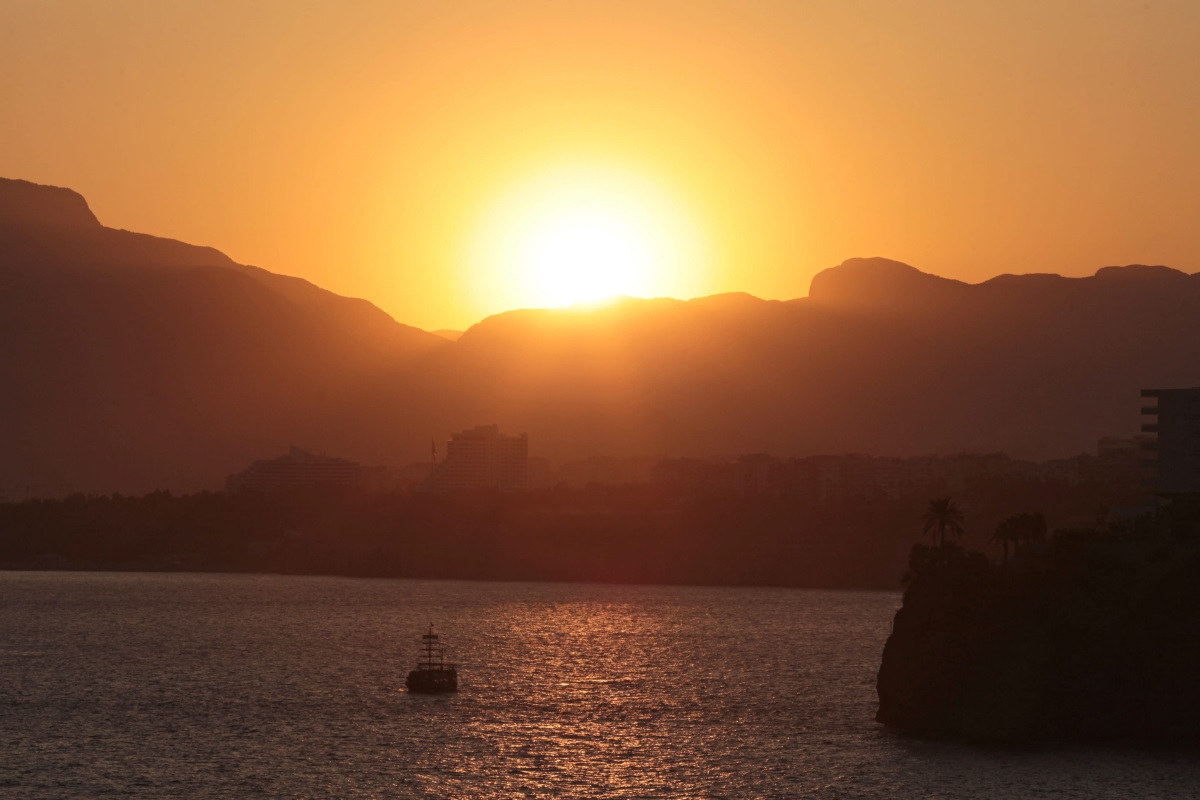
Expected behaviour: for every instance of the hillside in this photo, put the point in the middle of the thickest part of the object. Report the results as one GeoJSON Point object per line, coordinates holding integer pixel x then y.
{"type": "Point", "coordinates": [138, 363]}
{"type": "Point", "coordinates": [879, 358]}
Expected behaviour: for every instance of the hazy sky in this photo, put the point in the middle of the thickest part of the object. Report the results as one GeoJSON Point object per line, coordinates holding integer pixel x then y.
{"type": "Point", "coordinates": [376, 148]}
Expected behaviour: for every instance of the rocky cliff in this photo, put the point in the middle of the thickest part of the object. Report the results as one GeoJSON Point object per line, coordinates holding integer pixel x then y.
{"type": "Point", "coordinates": [1095, 642]}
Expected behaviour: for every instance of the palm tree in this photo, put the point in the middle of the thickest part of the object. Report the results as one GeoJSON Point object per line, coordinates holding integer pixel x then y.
{"type": "Point", "coordinates": [943, 517]}
{"type": "Point", "coordinates": [1020, 529]}
{"type": "Point", "coordinates": [1033, 528]}
{"type": "Point", "coordinates": [1008, 531]}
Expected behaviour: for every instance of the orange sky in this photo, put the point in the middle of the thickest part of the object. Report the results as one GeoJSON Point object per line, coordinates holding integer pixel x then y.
{"type": "Point", "coordinates": [362, 145]}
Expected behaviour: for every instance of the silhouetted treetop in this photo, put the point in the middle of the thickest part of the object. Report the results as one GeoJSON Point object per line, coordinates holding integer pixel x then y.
{"type": "Point", "coordinates": [942, 517]}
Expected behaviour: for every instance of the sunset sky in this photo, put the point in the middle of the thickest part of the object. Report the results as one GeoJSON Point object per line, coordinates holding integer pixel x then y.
{"type": "Point", "coordinates": [443, 158]}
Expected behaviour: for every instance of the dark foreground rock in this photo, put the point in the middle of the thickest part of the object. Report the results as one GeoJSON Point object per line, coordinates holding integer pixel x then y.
{"type": "Point", "coordinates": [1086, 644]}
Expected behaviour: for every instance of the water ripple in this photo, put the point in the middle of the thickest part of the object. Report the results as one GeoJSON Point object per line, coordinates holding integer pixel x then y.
{"type": "Point", "coordinates": [209, 686]}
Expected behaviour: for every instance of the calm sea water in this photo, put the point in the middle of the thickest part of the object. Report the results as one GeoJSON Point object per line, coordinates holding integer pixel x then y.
{"type": "Point", "coordinates": [219, 686]}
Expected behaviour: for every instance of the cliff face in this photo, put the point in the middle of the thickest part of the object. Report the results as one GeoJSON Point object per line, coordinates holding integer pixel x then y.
{"type": "Point", "coordinates": [1085, 647]}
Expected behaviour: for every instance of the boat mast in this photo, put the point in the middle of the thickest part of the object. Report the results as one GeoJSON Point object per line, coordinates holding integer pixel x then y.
{"type": "Point", "coordinates": [431, 645]}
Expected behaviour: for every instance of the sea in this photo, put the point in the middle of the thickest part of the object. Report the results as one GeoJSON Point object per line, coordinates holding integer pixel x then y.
{"type": "Point", "coordinates": [163, 685]}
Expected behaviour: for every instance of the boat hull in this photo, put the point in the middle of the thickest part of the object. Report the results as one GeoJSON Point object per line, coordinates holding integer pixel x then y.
{"type": "Point", "coordinates": [432, 681]}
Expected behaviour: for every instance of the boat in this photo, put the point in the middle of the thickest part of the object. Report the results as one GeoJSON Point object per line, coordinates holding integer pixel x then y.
{"type": "Point", "coordinates": [433, 674]}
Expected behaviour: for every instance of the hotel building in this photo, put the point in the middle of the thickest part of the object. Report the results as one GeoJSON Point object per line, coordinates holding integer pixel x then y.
{"type": "Point", "coordinates": [298, 468]}
{"type": "Point", "coordinates": [482, 458]}
{"type": "Point", "coordinates": [1174, 452]}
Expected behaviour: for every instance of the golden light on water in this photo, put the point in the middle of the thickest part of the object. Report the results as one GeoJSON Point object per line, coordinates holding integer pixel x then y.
{"type": "Point", "coordinates": [583, 234]}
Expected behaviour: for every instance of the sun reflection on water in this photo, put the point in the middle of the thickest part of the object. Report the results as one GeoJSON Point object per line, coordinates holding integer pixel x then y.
{"type": "Point", "coordinates": [217, 686]}
{"type": "Point", "coordinates": [606, 698]}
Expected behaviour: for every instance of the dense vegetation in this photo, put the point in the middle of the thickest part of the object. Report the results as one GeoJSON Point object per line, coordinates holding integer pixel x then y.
{"type": "Point", "coordinates": [637, 533]}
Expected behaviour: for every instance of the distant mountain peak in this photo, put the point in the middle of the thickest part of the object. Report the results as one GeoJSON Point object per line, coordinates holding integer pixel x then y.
{"type": "Point", "coordinates": [34, 204]}
{"type": "Point", "coordinates": [877, 282]}
{"type": "Point", "coordinates": [1138, 272]}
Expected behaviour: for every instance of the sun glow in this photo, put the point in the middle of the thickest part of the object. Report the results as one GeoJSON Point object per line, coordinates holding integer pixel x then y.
{"type": "Point", "coordinates": [582, 236]}
{"type": "Point", "coordinates": [587, 254]}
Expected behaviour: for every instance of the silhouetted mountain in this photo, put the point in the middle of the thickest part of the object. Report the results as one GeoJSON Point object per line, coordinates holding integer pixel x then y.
{"type": "Point", "coordinates": [143, 362]}
{"type": "Point", "coordinates": [880, 358]}
{"type": "Point", "coordinates": [134, 362]}
{"type": "Point", "coordinates": [882, 284]}
{"type": "Point", "coordinates": [25, 203]}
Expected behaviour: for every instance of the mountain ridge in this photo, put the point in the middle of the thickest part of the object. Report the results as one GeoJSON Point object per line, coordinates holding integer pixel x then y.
{"type": "Point", "coordinates": [147, 363]}
{"type": "Point", "coordinates": [855, 281]}
{"type": "Point", "coordinates": [36, 204]}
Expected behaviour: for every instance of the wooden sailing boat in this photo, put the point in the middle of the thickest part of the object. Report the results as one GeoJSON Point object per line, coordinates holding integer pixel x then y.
{"type": "Point", "coordinates": [432, 675]}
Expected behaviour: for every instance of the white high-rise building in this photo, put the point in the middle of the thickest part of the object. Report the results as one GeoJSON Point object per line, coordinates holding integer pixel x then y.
{"type": "Point", "coordinates": [482, 458]}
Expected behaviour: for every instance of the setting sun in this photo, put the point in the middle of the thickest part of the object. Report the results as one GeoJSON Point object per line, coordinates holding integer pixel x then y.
{"type": "Point", "coordinates": [587, 254]}
{"type": "Point", "coordinates": [582, 235]}
{"type": "Point", "coordinates": [758, 399]}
